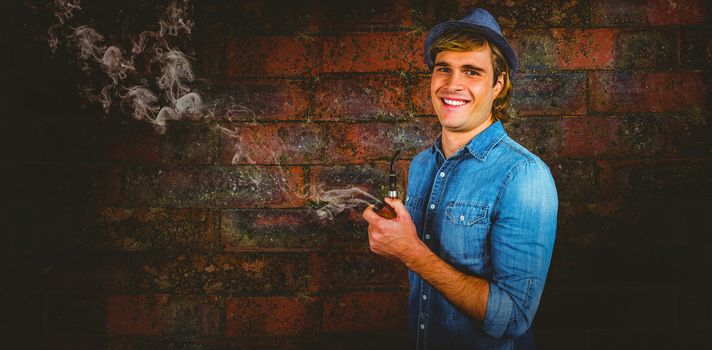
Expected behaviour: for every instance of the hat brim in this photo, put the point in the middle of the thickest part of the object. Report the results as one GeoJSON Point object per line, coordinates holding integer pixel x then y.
{"type": "Point", "coordinates": [493, 37]}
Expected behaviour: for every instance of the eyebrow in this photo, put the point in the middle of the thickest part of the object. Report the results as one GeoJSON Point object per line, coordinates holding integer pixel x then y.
{"type": "Point", "coordinates": [466, 66]}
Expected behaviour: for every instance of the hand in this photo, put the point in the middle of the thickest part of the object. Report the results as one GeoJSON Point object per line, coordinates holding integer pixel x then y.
{"type": "Point", "coordinates": [395, 238]}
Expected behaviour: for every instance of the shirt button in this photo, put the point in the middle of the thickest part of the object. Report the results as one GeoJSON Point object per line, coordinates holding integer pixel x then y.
{"type": "Point", "coordinates": [407, 198]}
{"type": "Point", "coordinates": [442, 174]}
{"type": "Point", "coordinates": [462, 217]}
{"type": "Point", "coordinates": [427, 236]}
{"type": "Point", "coordinates": [432, 206]}
{"type": "Point", "coordinates": [422, 326]}
{"type": "Point", "coordinates": [425, 297]}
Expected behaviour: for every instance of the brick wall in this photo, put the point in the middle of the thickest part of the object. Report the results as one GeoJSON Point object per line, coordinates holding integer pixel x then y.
{"type": "Point", "coordinates": [119, 237]}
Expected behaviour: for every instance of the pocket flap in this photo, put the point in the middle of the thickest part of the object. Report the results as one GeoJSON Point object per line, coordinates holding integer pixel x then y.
{"type": "Point", "coordinates": [466, 213]}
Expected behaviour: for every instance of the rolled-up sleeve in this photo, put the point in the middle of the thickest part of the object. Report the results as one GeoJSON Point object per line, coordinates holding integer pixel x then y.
{"type": "Point", "coordinates": [521, 244]}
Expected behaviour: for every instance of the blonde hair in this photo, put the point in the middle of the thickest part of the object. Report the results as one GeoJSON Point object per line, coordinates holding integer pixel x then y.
{"type": "Point", "coordinates": [463, 39]}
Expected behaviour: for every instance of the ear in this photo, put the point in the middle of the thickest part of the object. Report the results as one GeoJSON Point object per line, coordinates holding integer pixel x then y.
{"type": "Point", "coordinates": [499, 85]}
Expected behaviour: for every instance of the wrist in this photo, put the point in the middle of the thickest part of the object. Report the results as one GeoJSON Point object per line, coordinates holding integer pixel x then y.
{"type": "Point", "coordinates": [416, 255]}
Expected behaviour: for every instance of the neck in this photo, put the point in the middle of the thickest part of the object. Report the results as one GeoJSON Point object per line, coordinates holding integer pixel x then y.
{"type": "Point", "coordinates": [452, 141]}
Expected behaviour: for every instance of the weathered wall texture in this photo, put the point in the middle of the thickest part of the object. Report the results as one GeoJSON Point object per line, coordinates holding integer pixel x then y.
{"type": "Point", "coordinates": [116, 236]}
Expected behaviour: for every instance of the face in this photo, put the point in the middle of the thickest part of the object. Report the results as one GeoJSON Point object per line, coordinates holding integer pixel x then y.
{"type": "Point", "coordinates": [462, 91]}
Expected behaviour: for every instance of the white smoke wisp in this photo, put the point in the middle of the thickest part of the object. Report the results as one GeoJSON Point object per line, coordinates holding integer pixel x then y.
{"type": "Point", "coordinates": [139, 44]}
{"type": "Point", "coordinates": [143, 102]}
{"type": "Point", "coordinates": [115, 65]}
{"type": "Point", "coordinates": [152, 97]}
{"type": "Point", "coordinates": [64, 9]}
{"type": "Point", "coordinates": [175, 71]}
{"type": "Point", "coordinates": [175, 19]}
{"type": "Point", "coordinates": [335, 201]}
{"type": "Point", "coordinates": [87, 45]}
{"type": "Point", "coordinates": [52, 37]}
{"type": "Point", "coordinates": [189, 106]}
{"type": "Point", "coordinates": [247, 147]}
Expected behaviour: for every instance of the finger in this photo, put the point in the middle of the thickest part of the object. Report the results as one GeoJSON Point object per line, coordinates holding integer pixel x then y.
{"type": "Point", "coordinates": [398, 206]}
{"type": "Point", "coordinates": [368, 213]}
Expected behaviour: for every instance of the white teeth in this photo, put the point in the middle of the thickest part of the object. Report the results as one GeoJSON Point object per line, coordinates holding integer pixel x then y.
{"type": "Point", "coordinates": [454, 102]}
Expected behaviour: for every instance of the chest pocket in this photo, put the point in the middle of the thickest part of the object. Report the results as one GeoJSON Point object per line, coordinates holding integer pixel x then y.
{"type": "Point", "coordinates": [464, 236]}
{"type": "Point", "coordinates": [465, 214]}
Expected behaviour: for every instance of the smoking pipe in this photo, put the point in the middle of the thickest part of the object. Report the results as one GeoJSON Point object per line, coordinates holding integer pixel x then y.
{"type": "Point", "coordinates": [382, 208]}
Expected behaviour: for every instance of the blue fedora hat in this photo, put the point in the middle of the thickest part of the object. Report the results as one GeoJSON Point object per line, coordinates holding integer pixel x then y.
{"type": "Point", "coordinates": [482, 22]}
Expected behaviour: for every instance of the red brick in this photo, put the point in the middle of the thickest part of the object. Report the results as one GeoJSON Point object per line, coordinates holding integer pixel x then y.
{"type": "Point", "coordinates": [576, 180]}
{"type": "Point", "coordinates": [189, 143]}
{"type": "Point", "coordinates": [646, 91]}
{"type": "Point", "coordinates": [618, 12]}
{"type": "Point", "coordinates": [696, 48]}
{"type": "Point", "coordinates": [162, 314]}
{"type": "Point", "coordinates": [257, 16]}
{"type": "Point", "coordinates": [372, 178]}
{"type": "Point", "coordinates": [373, 52]}
{"type": "Point", "coordinates": [541, 135]}
{"type": "Point", "coordinates": [589, 137]}
{"type": "Point", "coordinates": [276, 56]}
{"type": "Point", "coordinates": [239, 187]}
{"type": "Point", "coordinates": [271, 317]}
{"type": "Point", "coordinates": [363, 312]}
{"type": "Point", "coordinates": [525, 14]}
{"type": "Point", "coordinates": [360, 98]}
{"type": "Point", "coordinates": [260, 99]}
{"type": "Point", "coordinates": [536, 48]}
{"type": "Point", "coordinates": [221, 274]}
{"type": "Point", "coordinates": [362, 15]}
{"type": "Point", "coordinates": [646, 180]}
{"type": "Point", "coordinates": [550, 94]}
{"type": "Point", "coordinates": [136, 314]}
{"type": "Point", "coordinates": [642, 13]}
{"type": "Point", "coordinates": [645, 49]}
{"type": "Point", "coordinates": [280, 143]}
{"type": "Point", "coordinates": [154, 229]}
{"type": "Point", "coordinates": [210, 48]}
{"type": "Point", "coordinates": [73, 141]}
{"type": "Point", "coordinates": [355, 143]}
{"type": "Point", "coordinates": [584, 48]}
{"type": "Point", "coordinates": [291, 230]}
{"type": "Point", "coordinates": [421, 95]}
{"type": "Point", "coordinates": [355, 272]}
{"type": "Point", "coordinates": [665, 12]}
{"type": "Point", "coordinates": [120, 229]}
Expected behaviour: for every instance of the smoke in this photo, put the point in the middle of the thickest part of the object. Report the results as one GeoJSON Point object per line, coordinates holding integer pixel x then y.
{"type": "Point", "coordinates": [175, 72]}
{"type": "Point", "coordinates": [125, 76]}
{"type": "Point", "coordinates": [149, 77]}
{"type": "Point", "coordinates": [331, 202]}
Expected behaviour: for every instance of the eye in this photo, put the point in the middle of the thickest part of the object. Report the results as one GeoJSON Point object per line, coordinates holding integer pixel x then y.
{"type": "Point", "coordinates": [472, 72]}
{"type": "Point", "coordinates": [442, 70]}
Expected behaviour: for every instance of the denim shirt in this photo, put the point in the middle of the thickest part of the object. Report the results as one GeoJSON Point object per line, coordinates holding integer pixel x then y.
{"type": "Point", "coordinates": [489, 211]}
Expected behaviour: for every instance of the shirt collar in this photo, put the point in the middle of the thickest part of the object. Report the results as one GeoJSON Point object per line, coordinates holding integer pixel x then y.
{"type": "Point", "coordinates": [480, 145]}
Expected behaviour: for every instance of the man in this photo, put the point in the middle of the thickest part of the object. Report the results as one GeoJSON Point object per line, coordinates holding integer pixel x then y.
{"type": "Point", "coordinates": [478, 225]}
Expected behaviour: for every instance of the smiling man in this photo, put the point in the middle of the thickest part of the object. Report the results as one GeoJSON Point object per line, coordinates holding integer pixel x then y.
{"type": "Point", "coordinates": [478, 225]}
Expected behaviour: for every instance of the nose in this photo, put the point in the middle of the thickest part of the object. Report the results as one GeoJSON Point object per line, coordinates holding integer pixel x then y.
{"type": "Point", "coordinates": [454, 82]}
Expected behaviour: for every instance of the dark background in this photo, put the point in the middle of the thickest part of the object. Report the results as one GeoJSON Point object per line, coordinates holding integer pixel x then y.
{"type": "Point", "coordinates": [116, 236]}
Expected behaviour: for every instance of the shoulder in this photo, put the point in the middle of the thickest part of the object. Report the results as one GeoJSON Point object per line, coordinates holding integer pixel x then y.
{"type": "Point", "coordinates": [517, 152]}
{"type": "Point", "coordinates": [423, 158]}
{"type": "Point", "coordinates": [521, 165]}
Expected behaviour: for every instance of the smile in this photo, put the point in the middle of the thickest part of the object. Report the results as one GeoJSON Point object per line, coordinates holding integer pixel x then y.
{"type": "Point", "coordinates": [451, 102]}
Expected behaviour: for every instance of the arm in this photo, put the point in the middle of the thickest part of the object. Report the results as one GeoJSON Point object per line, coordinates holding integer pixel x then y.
{"type": "Point", "coordinates": [521, 243]}
{"type": "Point", "coordinates": [398, 239]}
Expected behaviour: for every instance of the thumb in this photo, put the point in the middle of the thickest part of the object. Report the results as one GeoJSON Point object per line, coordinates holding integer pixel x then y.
{"type": "Point", "coordinates": [398, 206]}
